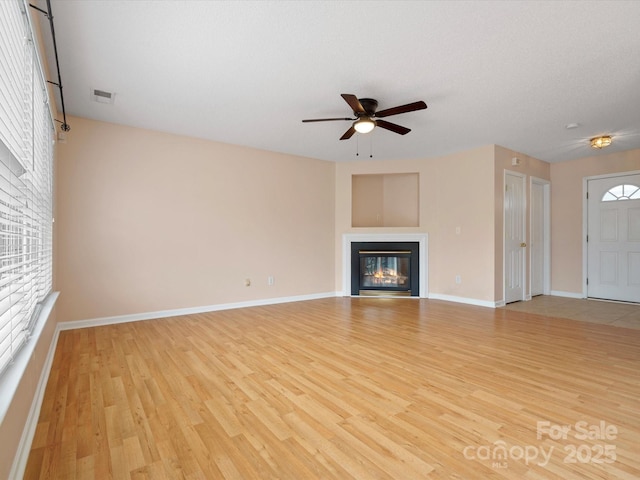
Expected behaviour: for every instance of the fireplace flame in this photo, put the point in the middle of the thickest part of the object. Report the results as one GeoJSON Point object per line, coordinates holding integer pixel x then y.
{"type": "Point", "coordinates": [383, 272]}
{"type": "Point", "coordinates": [385, 276]}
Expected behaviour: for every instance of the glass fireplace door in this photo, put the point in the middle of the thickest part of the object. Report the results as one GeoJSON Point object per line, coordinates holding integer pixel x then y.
{"type": "Point", "coordinates": [385, 271]}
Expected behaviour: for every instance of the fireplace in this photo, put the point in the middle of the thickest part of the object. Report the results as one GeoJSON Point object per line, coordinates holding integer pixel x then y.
{"type": "Point", "coordinates": [419, 265]}
{"type": "Point", "coordinates": [385, 268]}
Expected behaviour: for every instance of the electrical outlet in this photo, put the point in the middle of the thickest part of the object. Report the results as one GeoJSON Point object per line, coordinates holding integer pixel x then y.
{"type": "Point", "coordinates": [270, 280]}
{"type": "Point", "coordinates": [458, 280]}
{"type": "Point", "coordinates": [247, 282]}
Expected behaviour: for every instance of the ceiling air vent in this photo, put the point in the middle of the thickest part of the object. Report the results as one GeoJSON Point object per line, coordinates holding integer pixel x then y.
{"type": "Point", "coordinates": [102, 96]}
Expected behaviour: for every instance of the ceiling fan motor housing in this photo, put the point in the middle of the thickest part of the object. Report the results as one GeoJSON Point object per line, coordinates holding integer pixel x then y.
{"type": "Point", "coordinates": [370, 105]}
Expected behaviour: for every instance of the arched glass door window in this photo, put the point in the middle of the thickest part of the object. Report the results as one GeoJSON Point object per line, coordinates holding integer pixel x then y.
{"type": "Point", "coordinates": [622, 192]}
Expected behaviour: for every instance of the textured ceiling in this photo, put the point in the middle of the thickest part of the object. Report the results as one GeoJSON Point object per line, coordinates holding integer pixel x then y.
{"type": "Point", "coordinates": [247, 72]}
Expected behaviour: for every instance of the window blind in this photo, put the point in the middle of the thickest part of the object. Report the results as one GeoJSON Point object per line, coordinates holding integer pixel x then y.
{"type": "Point", "coordinates": [26, 182]}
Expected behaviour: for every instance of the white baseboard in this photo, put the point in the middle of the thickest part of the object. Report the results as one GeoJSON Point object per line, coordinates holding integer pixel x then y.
{"type": "Point", "coordinates": [136, 317]}
{"type": "Point", "coordinates": [468, 301]}
{"type": "Point", "coordinates": [559, 293]}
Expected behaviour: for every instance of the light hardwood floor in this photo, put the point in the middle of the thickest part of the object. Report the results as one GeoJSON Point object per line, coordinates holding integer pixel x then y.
{"type": "Point", "coordinates": [341, 388]}
{"type": "Point", "coordinates": [617, 314]}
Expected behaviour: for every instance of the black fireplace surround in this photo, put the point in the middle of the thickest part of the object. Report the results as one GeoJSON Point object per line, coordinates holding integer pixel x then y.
{"type": "Point", "coordinates": [385, 268]}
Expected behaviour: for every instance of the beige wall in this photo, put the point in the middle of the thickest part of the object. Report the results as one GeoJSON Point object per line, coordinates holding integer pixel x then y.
{"type": "Point", "coordinates": [455, 191]}
{"type": "Point", "coordinates": [367, 206]}
{"type": "Point", "coordinates": [566, 212]}
{"type": "Point", "coordinates": [148, 221]}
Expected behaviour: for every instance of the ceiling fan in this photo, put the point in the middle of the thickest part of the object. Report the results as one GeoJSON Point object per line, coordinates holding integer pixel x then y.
{"type": "Point", "coordinates": [364, 109]}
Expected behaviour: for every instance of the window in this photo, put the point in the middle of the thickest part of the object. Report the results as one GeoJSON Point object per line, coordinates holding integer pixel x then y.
{"type": "Point", "coordinates": [622, 192]}
{"type": "Point", "coordinates": [26, 182]}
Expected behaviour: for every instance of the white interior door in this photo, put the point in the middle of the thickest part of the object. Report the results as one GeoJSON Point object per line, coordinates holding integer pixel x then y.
{"type": "Point", "coordinates": [537, 240]}
{"type": "Point", "coordinates": [613, 238]}
{"type": "Point", "coordinates": [514, 241]}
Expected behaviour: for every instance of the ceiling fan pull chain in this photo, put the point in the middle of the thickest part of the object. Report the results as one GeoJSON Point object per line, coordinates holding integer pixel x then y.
{"type": "Point", "coordinates": [371, 146]}
{"type": "Point", "coordinates": [357, 146]}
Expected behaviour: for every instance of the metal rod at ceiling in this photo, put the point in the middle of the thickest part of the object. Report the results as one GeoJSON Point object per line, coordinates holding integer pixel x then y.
{"type": "Point", "coordinates": [65, 126]}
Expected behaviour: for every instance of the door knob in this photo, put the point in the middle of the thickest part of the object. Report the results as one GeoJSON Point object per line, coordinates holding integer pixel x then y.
{"type": "Point", "coordinates": [523, 244]}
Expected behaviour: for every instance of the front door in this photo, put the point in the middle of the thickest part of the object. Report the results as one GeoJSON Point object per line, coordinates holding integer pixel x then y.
{"type": "Point", "coordinates": [613, 238]}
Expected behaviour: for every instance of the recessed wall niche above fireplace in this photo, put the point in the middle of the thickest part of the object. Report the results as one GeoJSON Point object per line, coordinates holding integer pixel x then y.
{"type": "Point", "coordinates": [385, 264]}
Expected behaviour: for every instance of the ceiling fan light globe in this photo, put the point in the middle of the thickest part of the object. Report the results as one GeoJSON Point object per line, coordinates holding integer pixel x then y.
{"type": "Point", "coordinates": [364, 125]}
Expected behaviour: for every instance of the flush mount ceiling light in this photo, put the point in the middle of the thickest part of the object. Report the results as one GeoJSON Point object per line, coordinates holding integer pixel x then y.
{"type": "Point", "coordinates": [601, 142]}
{"type": "Point", "coordinates": [364, 125]}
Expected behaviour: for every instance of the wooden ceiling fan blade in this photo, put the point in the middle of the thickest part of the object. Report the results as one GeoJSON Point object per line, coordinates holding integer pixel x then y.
{"type": "Point", "coordinates": [353, 102]}
{"type": "Point", "coordinates": [393, 127]}
{"type": "Point", "coordinates": [409, 107]}
{"type": "Point", "coordinates": [326, 119]}
{"type": "Point", "coordinates": [348, 134]}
